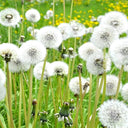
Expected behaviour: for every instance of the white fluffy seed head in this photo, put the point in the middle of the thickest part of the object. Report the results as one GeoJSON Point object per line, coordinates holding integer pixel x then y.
{"type": "Point", "coordinates": [103, 36]}
{"type": "Point", "coordinates": [2, 78]}
{"type": "Point", "coordinates": [2, 92]}
{"type": "Point", "coordinates": [88, 49]}
{"type": "Point", "coordinates": [32, 52]}
{"type": "Point", "coordinates": [49, 13]}
{"type": "Point", "coordinates": [50, 37]}
{"type": "Point", "coordinates": [38, 70]}
{"type": "Point", "coordinates": [117, 20]}
{"type": "Point", "coordinates": [75, 86]}
{"type": "Point", "coordinates": [59, 68]}
{"type": "Point", "coordinates": [78, 29]}
{"type": "Point", "coordinates": [65, 30]}
{"type": "Point", "coordinates": [32, 15]}
{"type": "Point", "coordinates": [99, 18]}
{"type": "Point", "coordinates": [113, 114]}
{"type": "Point", "coordinates": [17, 65]}
{"type": "Point", "coordinates": [9, 17]}
{"type": "Point", "coordinates": [95, 64]}
{"type": "Point", "coordinates": [119, 52]}
{"type": "Point", "coordinates": [111, 85]}
{"type": "Point", "coordinates": [8, 51]}
{"type": "Point", "coordinates": [124, 92]}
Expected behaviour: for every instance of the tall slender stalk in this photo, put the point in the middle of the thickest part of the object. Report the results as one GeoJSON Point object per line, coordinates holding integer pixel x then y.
{"type": "Point", "coordinates": [64, 9]}
{"type": "Point", "coordinates": [20, 102]}
{"type": "Point", "coordinates": [119, 81]}
{"type": "Point", "coordinates": [30, 94]}
{"type": "Point", "coordinates": [71, 10]}
{"type": "Point", "coordinates": [40, 92]}
{"type": "Point", "coordinates": [9, 92]}
{"type": "Point", "coordinates": [9, 34]}
{"type": "Point", "coordinates": [90, 97]}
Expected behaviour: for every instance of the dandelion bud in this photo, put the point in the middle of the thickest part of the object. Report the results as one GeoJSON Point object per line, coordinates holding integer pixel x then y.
{"type": "Point", "coordinates": [43, 116]}
{"type": "Point", "coordinates": [70, 50]}
{"type": "Point", "coordinates": [79, 67]}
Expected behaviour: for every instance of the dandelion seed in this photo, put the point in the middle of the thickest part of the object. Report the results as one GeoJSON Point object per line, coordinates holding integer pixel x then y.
{"type": "Point", "coordinates": [9, 17]}
{"type": "Point", "coordinates": [103, 36]}
{"type": "Point", "coordinates": [32, 52]}
{"type": "Point", "coordinates": [38, 70]}
{"type": "Point", "coordinates": [50, 37]}
{"type": "Point", "coordinates": [75, 87]}
{"type": "Point", "coordinates": [113, 114]}
{"type": "Point", "coordinates": [117, 20]}
{"type": "Point", "coordinates": [32, 15]}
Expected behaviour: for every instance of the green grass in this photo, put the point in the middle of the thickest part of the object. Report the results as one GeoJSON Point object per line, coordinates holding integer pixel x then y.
{"type": "Point", "coordinates": [94, 8]}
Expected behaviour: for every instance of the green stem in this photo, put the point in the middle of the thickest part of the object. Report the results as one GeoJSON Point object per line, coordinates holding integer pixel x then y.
{"type": "Point", "coordinates": [9, 34]}
{"type": "Point", "coordinates": [104, 88]}
{"type": "Point", "coordinates": [9, 92]}
{"type": "Point", "coordinates": [64, 9]}
{"type": "Point", "coordinates": [30, 94]}
{"type": "Point", "coordinates": [90, 97]}
{"type": "Point", "coordinates": [24, 102]}
{"type": "Point", "coordinates": [20, 101]}
{"type": "Point", "coordinates": [40, 92]}
{"type": "Point", "coordinates": [71, 10]}
{"type": "Point", "coordinates": [53, 18]}
{"type": "Point", "coordinates": [119, 81]}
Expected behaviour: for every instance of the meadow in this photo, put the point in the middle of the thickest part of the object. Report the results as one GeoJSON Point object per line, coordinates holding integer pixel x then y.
{"type": "Point", "coordinates": [49, 102]}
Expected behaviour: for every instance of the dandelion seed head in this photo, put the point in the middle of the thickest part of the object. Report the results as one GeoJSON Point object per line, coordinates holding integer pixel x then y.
{"type": "Point", "coordinates": [87, 49]}
{"type": "Point", "coordinates": [38, 70]}
{"type": "Point", "coordinates": [9, 17]}
{"type": "Point", "coordinates": [124, 92]}
{"type": "Point", "coordinates": [65, 30]}
{"type": "Point", "coordinates": [59, 68]}
{"type": "Point", "coordinates": [2, 78]}
{"type": "Point", "coordinates": [32, 52]}
{"type": "Point", "coordinates": [32, 15]}
{"type": "Point", "coordinates": [103, 36]}
{"type": "Point", "coordinates": [50, 37]}
{"type": "Point", "coordinates": [2, 92]}
{"type": "Point", "coordinates": [113, 113]}
{"type": "Point", "coordinates": [75, 86]}
{"type": "Point", "coordinates": [117, 20]}
{"type": "Point", "coordinates": [8, 51]}
{"type": "Point", "coordinates": [49, 13]}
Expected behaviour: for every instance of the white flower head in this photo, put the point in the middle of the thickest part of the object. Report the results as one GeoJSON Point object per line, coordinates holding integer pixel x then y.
{"type": "Point", "coordinates": [29, 29]}
{"type": "Point", "coordinates": [119, 52]}
{"type": "Point", "coordinates": [59, 68]}
{"type": "Point", "coordinates": [124, 92]}
{"type": "Point", "coordinates": [95, 64]}
{"type": "Point", "coordinates": [99, 18]}
{"type": "Point", "coordinates": [65, 30]}
{"type": "Point", "coordinates": [78, 29]}
{"type": "Point", "coordinates": [32, 15]}
{"type": "Point", "coordinates": [34, 34]}
{"type": "Point", "coordinates": [111, 85]}
{"type": "Point", "coordinates": [88, 49]}
{"type": "Point", "coordinates": [17, 65]}
{"type": "Point", "coordinates": [9, 17]}
{"type": "Point", "coordinates": [46, 17]}
{"type": "Point", "coordinates": [113, 114]}
{"type": "Point", "coordinates": [50, 37]}
{"type": "Point", "coordinates": [8, 51]}
{"type": "Point", "coordinates": [38, 70]}
{"type": "Point", "coordinates": [103, 36]}
{"type": "Point", "coordinates": [49, 13]}
{"type": "Point", "coordinates": [2, 78]}
{"type": "Point", "coordinates": [75, 86]}
{"type": "Point", "coordinates": [2, 92]}
{"type": "Point", "coordinates": [32, 52]}
{"type": "Point", "coordinates": [117, 20]}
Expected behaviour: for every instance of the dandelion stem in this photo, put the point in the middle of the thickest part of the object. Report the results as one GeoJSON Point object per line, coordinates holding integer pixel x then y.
{"type": "Point", "coordinates": [64, 9]}
{"type": "Point", "coordinates": [119, 81]}
{"type": "Point", "coordinates": [9, 34]}
{"type": "Point", "coordinates": [30, 94]}
{"type": "Point", "coordinates": [71, 10]}
{"type": "Point", "coordinates": [90, 96]}
{"type": "Point", "coordinates": [40, 92]}
{"type": "Point", "coordinates": [9, 92]}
